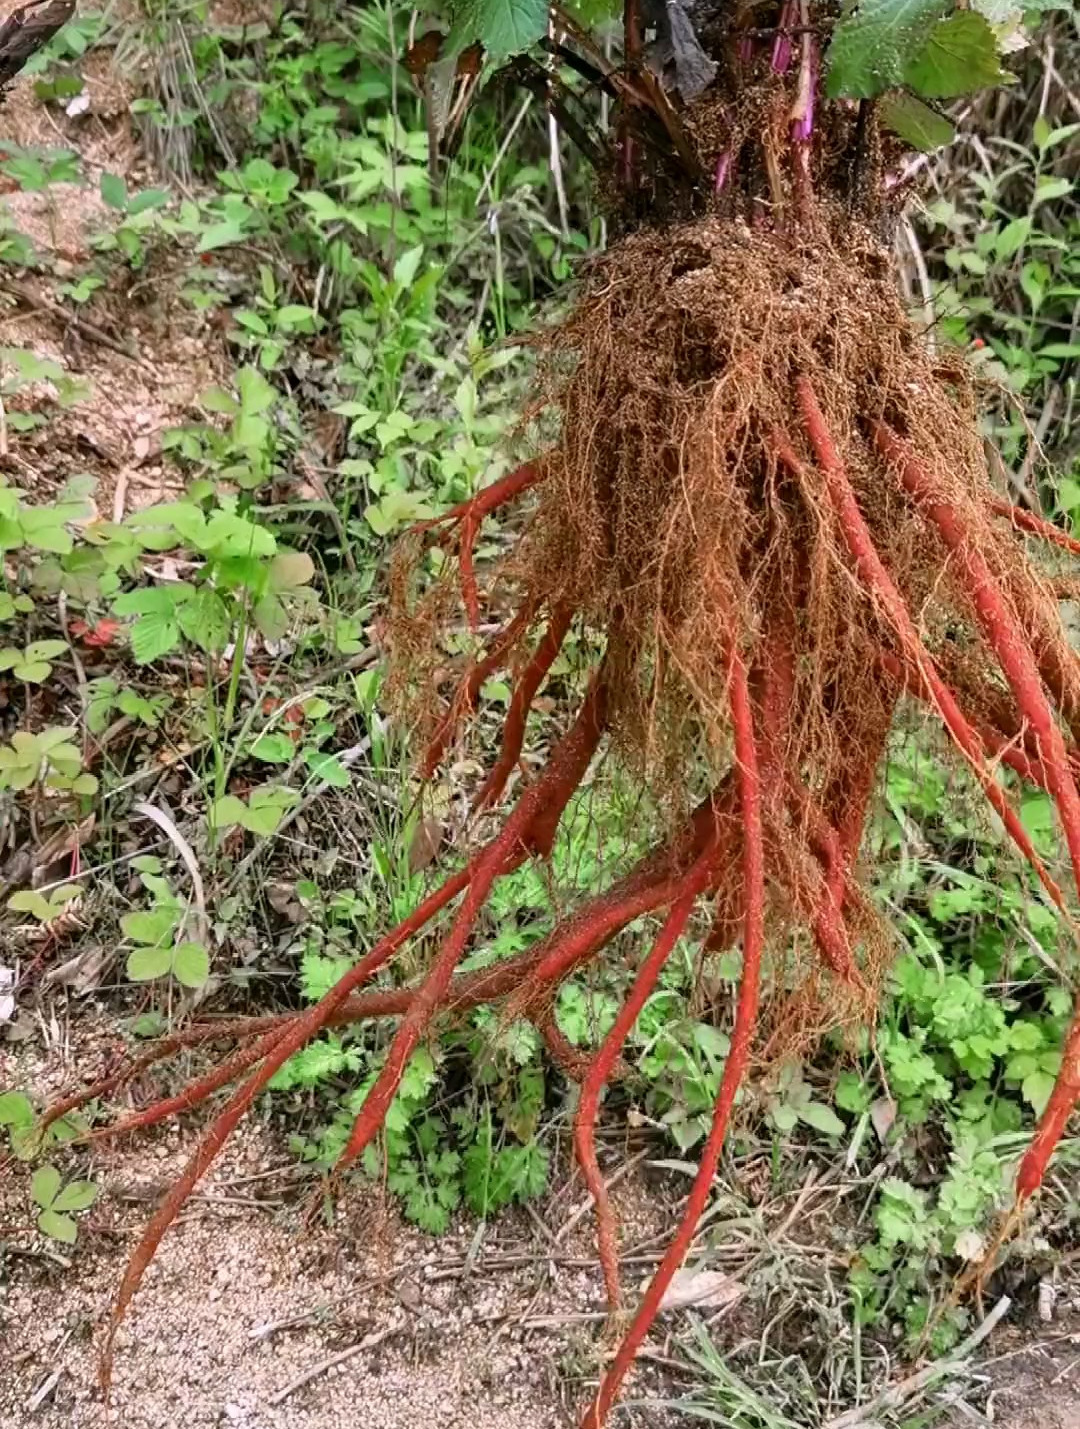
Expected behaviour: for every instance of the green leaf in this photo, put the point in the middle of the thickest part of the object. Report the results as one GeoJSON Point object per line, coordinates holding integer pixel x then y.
{"type": "Point", "coordinates": [1036, 1089]}
{"type": "Point", "coordinates": [151, 926]}
{"type": "Point", "coordinates": [44, 1184]}
{"type": "Point", "coordinates": [114, 191]}
{"type": "Point", "coordinates": [915, 122]}
{"type": "Point", "coordinates": [33, 672]}
{"type": "Point", "coordinates": [822, 1118]}
{"type": "Point", "coordinates": [153, 636]}
{"type": "Point", "coordinates": [256, 394]}
{"type": "Point", "coordinates": [153, 600]}
{"type": "Point", "coordinates": [290, 569]}
{"type": "Point", "coordinates": [872, 47]}
{"type": "Point", "coordinates": [76, 1196]}
{"type": "Point", "coordinates": [1013, 237]}
{"type": "Point", "coordinates": [45, 649]}
{"type": "Point", "coordinates": [145, 964]}
{"type": "Point", "coordinates": [227, 811]}
{"type": "Point", "coordinates": [221, 235]}
{"type": "Point", "coordinates": [29, 900]}
{"type": "Point", "coordinates": [503, 27]}
{"type": "Point", "coordinates": [327, 769]}
{"type": "Point", "coordinates": [16, 1109]}
{"type": "Point", "coordinates": [56, 1227]}
{"type": "Point", "coordinates": [271, 618]}
{"type": "Point", "coordinates": [205, 621]}
{"type": "Point", "coordinates": [148, 199]}
{"type": "Point", "coordinates": [273, 748]}
{"type": "Point", "coordinates": [191, 964]}
{"type": "Point", "coordinates": [960, 56]}
{"type": "Point", "coordinates": [43, 529]}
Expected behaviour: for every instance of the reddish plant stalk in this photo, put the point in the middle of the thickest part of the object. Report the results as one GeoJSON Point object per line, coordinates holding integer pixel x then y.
{"type": "Point", "coordinates": [1035, 525]}
{"type": "Point", "coordinates": [1018, 665]}
{"type": "Point", "coordinates": [517, 715]}
{"type": "Point", "coordinates": [600, 1068]}
{"type": "Point", "coordinates": [882, 588]}
{"type": "Point", "coordinates": [464, 699]}
{"type": "Point", "coordinates": [563, 774]}
{"type": "Point", "coordinates": [748, 780]}
{"type": "Point", "coordinates": [489, 498]}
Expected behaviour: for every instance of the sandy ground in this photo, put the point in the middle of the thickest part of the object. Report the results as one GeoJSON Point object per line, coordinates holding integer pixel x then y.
{"type": "Point", "coordinates": [247, 1297]}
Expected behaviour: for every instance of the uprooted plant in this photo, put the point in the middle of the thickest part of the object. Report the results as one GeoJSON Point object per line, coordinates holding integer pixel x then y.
{"type": "Point", "coordinates": [766, 506]}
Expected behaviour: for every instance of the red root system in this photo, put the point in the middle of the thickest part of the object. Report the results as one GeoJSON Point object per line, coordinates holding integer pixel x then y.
{"type": "Point", "coordinates": [767, 508]}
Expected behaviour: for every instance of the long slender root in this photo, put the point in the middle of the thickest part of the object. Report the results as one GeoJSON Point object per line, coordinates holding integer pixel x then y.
{"type": "Point", "coordinates": [753, 892]}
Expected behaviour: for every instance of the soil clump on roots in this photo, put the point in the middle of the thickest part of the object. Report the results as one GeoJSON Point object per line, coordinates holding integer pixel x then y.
{"type": "Point", "coordinates": [766, 509]}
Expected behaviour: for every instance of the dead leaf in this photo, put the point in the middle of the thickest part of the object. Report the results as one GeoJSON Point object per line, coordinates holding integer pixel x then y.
{"type": "Point", "coordinates": [283, 900]}
{"type": "Point", "coordinates": [883, 1114]}
{"type": "Point", "coordinates": [426, 843]}
{"type": "Point", "coordinates": [61, 843]}
{"type": "Point", "coordinates": [709, 1289]}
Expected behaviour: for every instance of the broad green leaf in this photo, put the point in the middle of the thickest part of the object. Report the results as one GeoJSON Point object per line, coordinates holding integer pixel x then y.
{"type": "Point", "coordinates": [205, 621]}
{"type": "Point", "coordinates": [915, 122]}
{"type": "Point", "coordinates": [16, 1109]}
{"type": "Point", "coordinates": [290, 569]}
{"type": "Point", "coordinates": [503, 27]}
{"type": "Point", "coordinates": [1013, 237]}
{"type": "Point", "coordinates": [44, 1185]}
{"type": "Point", "coordinates": [822, 1118]}
{"type": "Point", "coordinates": [33, 672]}
{"type": "Point", "coordinates": [153, 636]}
{"type": "Point", "coordinates": [327, 769]}
{"type": "Point", "coordinates": [221, 235]}
{"type": "Point", "coordinates": [153, 600]}
{"type": "Point", "coordinates": [191, 964]}
{"type": "Point", "coordinates": [271, 618]}
{"type": "Point", "coordinates": [256, 394]}
{"type": "Point", "coordinates": [151, 926]}
{"type": "Point", "coordinates": [784, 1117]}
{"type": "Point", "coordinates": [43, 530]}
{"type": "Point", "coordinates": [57, 1227]}
{"type": "Point", "coordinates": [147, 200]}
{"type": "Point", "coordinates": [45, 649]}
{"type": "Point", "coordinates": [872, 46]}
{"type": "Point", "coordinates": [114, 191]}
{"type": "Point", "coordinates": [76, 1196]}
{"type": "Point", "coordinates": [229, 535]}
{"type": "Point", "coordinates": [405, 268]}
{"type": "Point", "coordinates": [274, 748]}
{"type": "Point", "coordinates": [227, 811]}
{"type": "Point", "coordinates": [145, 964]}
{"type": "Point", "coordinates": [29, 900]}
{"type": "Point", "coordinates": [959, 57]}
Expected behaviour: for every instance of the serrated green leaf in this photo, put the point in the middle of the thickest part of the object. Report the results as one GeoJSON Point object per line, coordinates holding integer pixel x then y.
{"type": "Point", "coordinates": [205, 621]}
{"type": "Point", "coordinates": [44, 1184]}
{"type": "Point", "coordinates": [151, 926]}
{"type": "Point", "coordinates": [145, 964]}
{"type": "Point", "coordinates": [57, 1227]}
{"type": "Point", "coordinates": [76, 1196]}
{"type": "Point", "coordinates": [503, 27]}
{"type": "Point", "coordinates": [45, 649]}
{"type": "Point", "coordinates": [190, 964]}
{"type": "Point", "coordinates": [915, 122]}
{"type": "Point", "coordinates": [154, 635]}
{"type": "Point", "coordinates": [960, 56]}
{"type": "Point", "coordinates": [872, 46]}
{"type": "Point", "coordinates": [43, 529]}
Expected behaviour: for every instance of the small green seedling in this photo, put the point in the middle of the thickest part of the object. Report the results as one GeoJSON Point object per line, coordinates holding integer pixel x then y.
{"type": "Point", "coordinates": [57, 1202]}
{"type": "Point", "coordinates": [27, 1141]}
{"type": "Point", "coordinates": [50, 756]}
{"type": "Point", "coordinates": [45, 907]}
{"type": "Point", "coordinates": [33, 665]}
{"type": "Point", "coordinates": [264, 810]}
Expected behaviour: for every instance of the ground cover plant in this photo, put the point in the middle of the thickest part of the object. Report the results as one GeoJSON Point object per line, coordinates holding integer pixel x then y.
{"type": "Point", "coordinates": [764, 510]}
